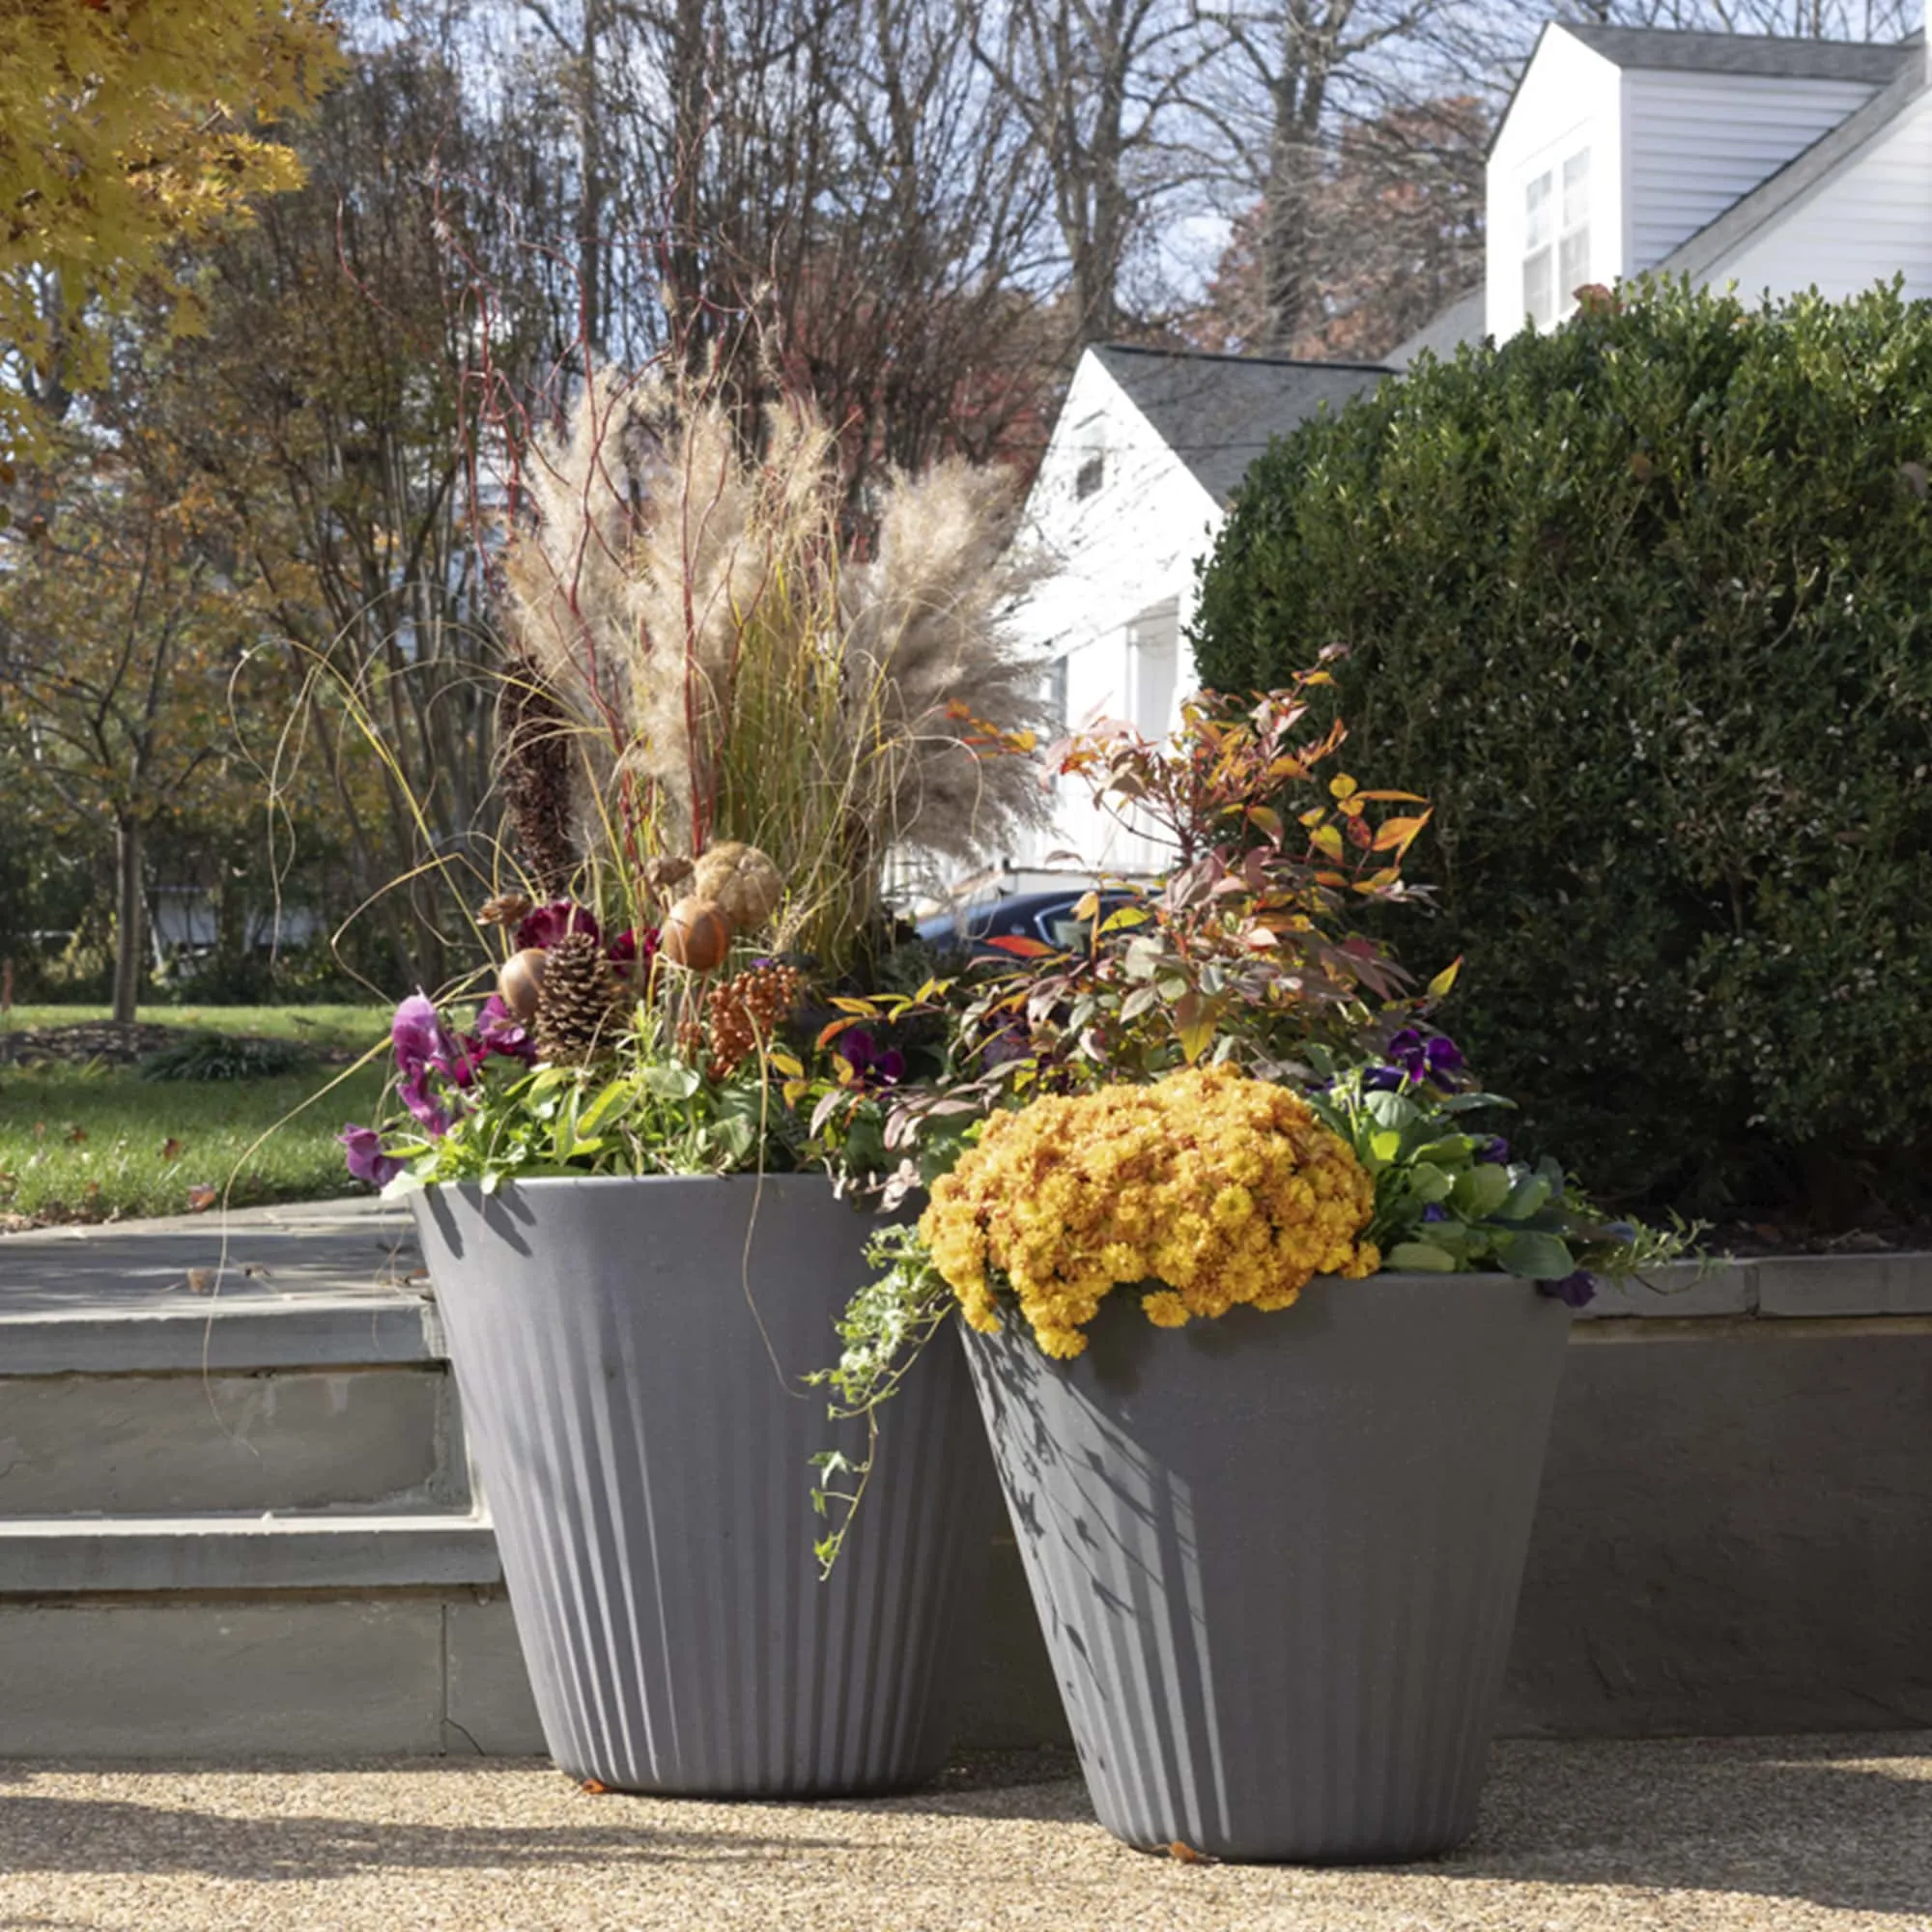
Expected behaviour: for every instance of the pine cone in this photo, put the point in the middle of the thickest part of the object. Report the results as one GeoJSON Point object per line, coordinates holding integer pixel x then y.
{"type": "Point", "coordinates": [534, 762]}
{"type": "Point", "coordinates": [578, 1005]}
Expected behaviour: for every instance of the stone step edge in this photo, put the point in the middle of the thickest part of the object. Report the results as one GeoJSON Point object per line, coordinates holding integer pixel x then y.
{"type": "Point", "coordinates": [316, 1332]}
{"type": "Point", "coordinates": [68, 1556]}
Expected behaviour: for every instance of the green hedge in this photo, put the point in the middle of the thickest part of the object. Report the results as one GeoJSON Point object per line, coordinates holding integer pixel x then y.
{"type": "Point", "coordinates": [1646, 606]}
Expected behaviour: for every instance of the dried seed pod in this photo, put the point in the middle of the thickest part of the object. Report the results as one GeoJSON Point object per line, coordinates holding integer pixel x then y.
{"type": "Point", "coordinates": [696, 935]}
{"type": "Point", "coordinates": [665, 871]}
{"type": "Point", "coordinates": [506, 909]}
{"type": "Point", "coordinates": [520, 982]}
{"type": "Point", "coordinates": [741, 880]}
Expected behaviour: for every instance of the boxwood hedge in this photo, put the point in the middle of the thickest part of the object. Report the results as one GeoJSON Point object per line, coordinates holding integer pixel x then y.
{"type": "Point", "coordinates": [1646, 606]}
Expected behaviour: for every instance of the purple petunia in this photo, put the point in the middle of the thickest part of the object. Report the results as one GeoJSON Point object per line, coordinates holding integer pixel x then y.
{"type": "Point", "coordinates": [362, 1150]}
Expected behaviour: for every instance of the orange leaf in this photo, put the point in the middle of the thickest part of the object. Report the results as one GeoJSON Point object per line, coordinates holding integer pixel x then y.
{"type": "Point", "coordinates": [1398, 834]}
{"type": "Point", "coordinates": [201, 1197]}
{"type": "Point", "coordinates": [1020, 946]}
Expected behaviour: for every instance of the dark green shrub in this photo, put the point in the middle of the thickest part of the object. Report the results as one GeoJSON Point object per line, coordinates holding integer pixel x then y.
{"type": "Point", "coordinates": [1646, 608]}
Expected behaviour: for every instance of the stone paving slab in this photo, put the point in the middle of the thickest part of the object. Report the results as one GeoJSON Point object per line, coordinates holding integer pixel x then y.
{"type": "Point", "coordinates": [1813, 1835]}
{"type": "Point", "coordinates": [260, 1257]}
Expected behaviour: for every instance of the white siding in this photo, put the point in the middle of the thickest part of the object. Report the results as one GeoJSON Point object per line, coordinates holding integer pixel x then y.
{"type": "Point", "coordinates": [1121, 591]}
{"type": "Point", "coordinates": [1570, 99]}
{"type": "Point", "coordinates": [1698, 142]}
{"type": "Point", "coordinates": [1869, 221]}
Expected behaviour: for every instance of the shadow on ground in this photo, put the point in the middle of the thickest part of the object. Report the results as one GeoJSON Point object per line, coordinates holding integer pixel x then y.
{"type": "Point", "coordinates": [1838, 1823]}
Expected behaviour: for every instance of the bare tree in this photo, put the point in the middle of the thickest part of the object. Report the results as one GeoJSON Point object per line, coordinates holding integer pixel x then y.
{"type": "Point", "coordinates": [1104, 88]}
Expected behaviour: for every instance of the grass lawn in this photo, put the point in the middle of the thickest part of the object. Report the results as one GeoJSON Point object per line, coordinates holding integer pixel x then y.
{"type": "Point", "coordinates": [95, 1143]}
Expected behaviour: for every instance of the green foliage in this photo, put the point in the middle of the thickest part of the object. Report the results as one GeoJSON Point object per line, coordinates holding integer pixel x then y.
{"type": "Point", "coordinates": [885, 1328]}
{"type": "Point", "coordinates": [1449, 1200]}
{"type": "Point", "coordinates": [1642, 606]}
{"type": "Point", "coordinates": [652, 1115]}
{"type": "Point", "coordinates": [221, 1056]}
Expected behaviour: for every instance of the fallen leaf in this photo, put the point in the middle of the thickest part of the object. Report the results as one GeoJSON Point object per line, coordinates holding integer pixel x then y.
{"type": "Point", "coordinates": [201, 1281]}
{"type": "Point", "coordinates": [201, 1197]}
{"type": "Point", "coordinates": [595, 1787]}
{"type": "Point", "coordinates": [1187, 1855]}
{"type": "Point", "coordinates": [76, 1136]}
{"type": "Point", "coordinates": [171, 1148]}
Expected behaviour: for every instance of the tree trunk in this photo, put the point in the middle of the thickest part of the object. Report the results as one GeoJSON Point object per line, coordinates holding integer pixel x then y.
{"type": "Point", "coordinates": [130, 919]}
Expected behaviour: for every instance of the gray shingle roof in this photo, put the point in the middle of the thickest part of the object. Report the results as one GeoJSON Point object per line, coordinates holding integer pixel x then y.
{"type": "Point", "coordinates": [1670, 50]}
{"type": "Point", "coordinates": [1445, 331]}
{"type": "Point", "coordinates": [1219, 412]}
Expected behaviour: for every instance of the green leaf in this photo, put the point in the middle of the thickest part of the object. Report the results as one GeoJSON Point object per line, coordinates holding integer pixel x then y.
{"type": "Point", "coordinates": [1481, 1190]}
{"type": "Point", "coordinates": [1535, 1257]}
{"type": "Point", "coordinates": [673, 1080]}
{"type": "Point", "coordinates": [1419, 1258]}
{"type": "Point", "coordinates": [1526, 1197]}
{"type": "Point", "coordinates": [1383, 1146]}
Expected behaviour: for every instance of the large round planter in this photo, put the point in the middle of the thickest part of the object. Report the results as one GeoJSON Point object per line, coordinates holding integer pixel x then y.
{"type": "Point", "coordinates": [1276, 1556]}
{"type": "Point", "coordinates": [628, 1353]}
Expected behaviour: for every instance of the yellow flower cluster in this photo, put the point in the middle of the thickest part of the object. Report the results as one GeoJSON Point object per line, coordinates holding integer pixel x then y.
{"type": "Point", "coordinates": [1220, 1188]}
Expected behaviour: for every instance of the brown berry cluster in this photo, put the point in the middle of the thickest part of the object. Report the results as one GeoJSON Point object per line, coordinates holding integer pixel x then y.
{"type": "Point", "coordinates": [747, 1009]}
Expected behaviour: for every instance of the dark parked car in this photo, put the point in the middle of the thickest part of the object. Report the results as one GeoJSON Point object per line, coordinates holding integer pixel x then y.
{"type": "Point", "coordinates": [1047, 917]}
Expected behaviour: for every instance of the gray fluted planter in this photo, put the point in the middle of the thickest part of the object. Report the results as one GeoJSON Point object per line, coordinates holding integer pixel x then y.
{"type": "Point", "coordinates": [1276, 1556]}
{"type": "Point", "coordinates": [643, 1438]}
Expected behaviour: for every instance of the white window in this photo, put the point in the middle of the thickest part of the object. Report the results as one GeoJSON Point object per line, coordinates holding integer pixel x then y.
{"type": "Point", "coordinates": [1557, 238]}
{"type": "Point", "coordinates": [1153, 668]}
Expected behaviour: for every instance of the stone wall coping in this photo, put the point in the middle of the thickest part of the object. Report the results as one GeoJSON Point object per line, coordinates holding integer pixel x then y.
{"type": "Point", "coordinates": [1779, 1287]}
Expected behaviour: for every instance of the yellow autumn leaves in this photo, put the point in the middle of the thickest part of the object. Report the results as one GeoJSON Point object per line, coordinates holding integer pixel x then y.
{"type": "Point", "coordinates": [1208, 1189]}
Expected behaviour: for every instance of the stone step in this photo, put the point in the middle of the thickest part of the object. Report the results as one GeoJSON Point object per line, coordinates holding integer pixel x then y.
{"type": "Point", "coordinates": [260, 1440]}
{"type": "Point", "coordinates": [212, 1553]}
{"type": "Point", "coordinates": [177, 1371]}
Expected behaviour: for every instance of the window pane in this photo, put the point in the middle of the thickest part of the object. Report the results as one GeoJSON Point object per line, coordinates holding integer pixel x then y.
{"type": "Point", "coordinates": [1577, 190]}
{"type": "Point", "coordinates": [1536, 298]}
{"type": "Point", "coordinates": [1573, 267]}
{"type": "Point", "coordinates": [1536, 214]}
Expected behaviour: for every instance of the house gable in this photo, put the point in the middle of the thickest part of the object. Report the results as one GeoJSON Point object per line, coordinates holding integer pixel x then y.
{"type": "Point", "coordinates": [1623, 144]}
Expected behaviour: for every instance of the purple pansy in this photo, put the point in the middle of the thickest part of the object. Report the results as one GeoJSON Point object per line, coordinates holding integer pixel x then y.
{"type": "Point", "coordinates": [1436, 1212]}
{"type": "Point", "coordinates": [1575, 1291]}
{"type": "Point", "coordinates": [1384, 1080]}
{"type": "Point", "coordinates": [549, 923]}
{"type": "Point", "coordinates": [869, 1063]}
{"type": "Point", "coordinates": [1418, 1058]}
{"type": "Point", "coordinates": [1495, 1150]}
{"type": "Point", "coordinates": [362, 1150]}
{"type": "Point", "coordinates": [427, 1050]}
{"type": "Point", "coordinates": [498, 1031]}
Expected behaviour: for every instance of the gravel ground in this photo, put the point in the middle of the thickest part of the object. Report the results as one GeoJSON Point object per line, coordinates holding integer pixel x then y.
{"type": "Point", "coordinates": [1785, 1835]}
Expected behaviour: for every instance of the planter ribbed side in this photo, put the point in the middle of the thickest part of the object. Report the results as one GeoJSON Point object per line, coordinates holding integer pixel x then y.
{"type": "Point", "coordinates": [1276, 1556]}
{"type": "Point", "coordinates": [628, 1352]}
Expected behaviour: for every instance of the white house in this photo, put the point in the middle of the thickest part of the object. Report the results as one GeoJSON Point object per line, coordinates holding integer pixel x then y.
{"type": "Point", "coordinates": [1136, 478]}
{"type": "Point", "coordinates": [1775, 164]}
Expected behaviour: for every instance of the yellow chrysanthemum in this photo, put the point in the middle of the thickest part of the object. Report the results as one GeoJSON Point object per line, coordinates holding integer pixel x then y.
{"type": "Point", "coordinates": [1224, 1190]}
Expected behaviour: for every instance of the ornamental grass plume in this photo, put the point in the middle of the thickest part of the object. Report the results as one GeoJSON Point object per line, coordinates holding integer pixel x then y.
{"type": "Point", "coordinates": [1208, 1189]}
{"type": "Point", "coordinates": [740, 672]}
